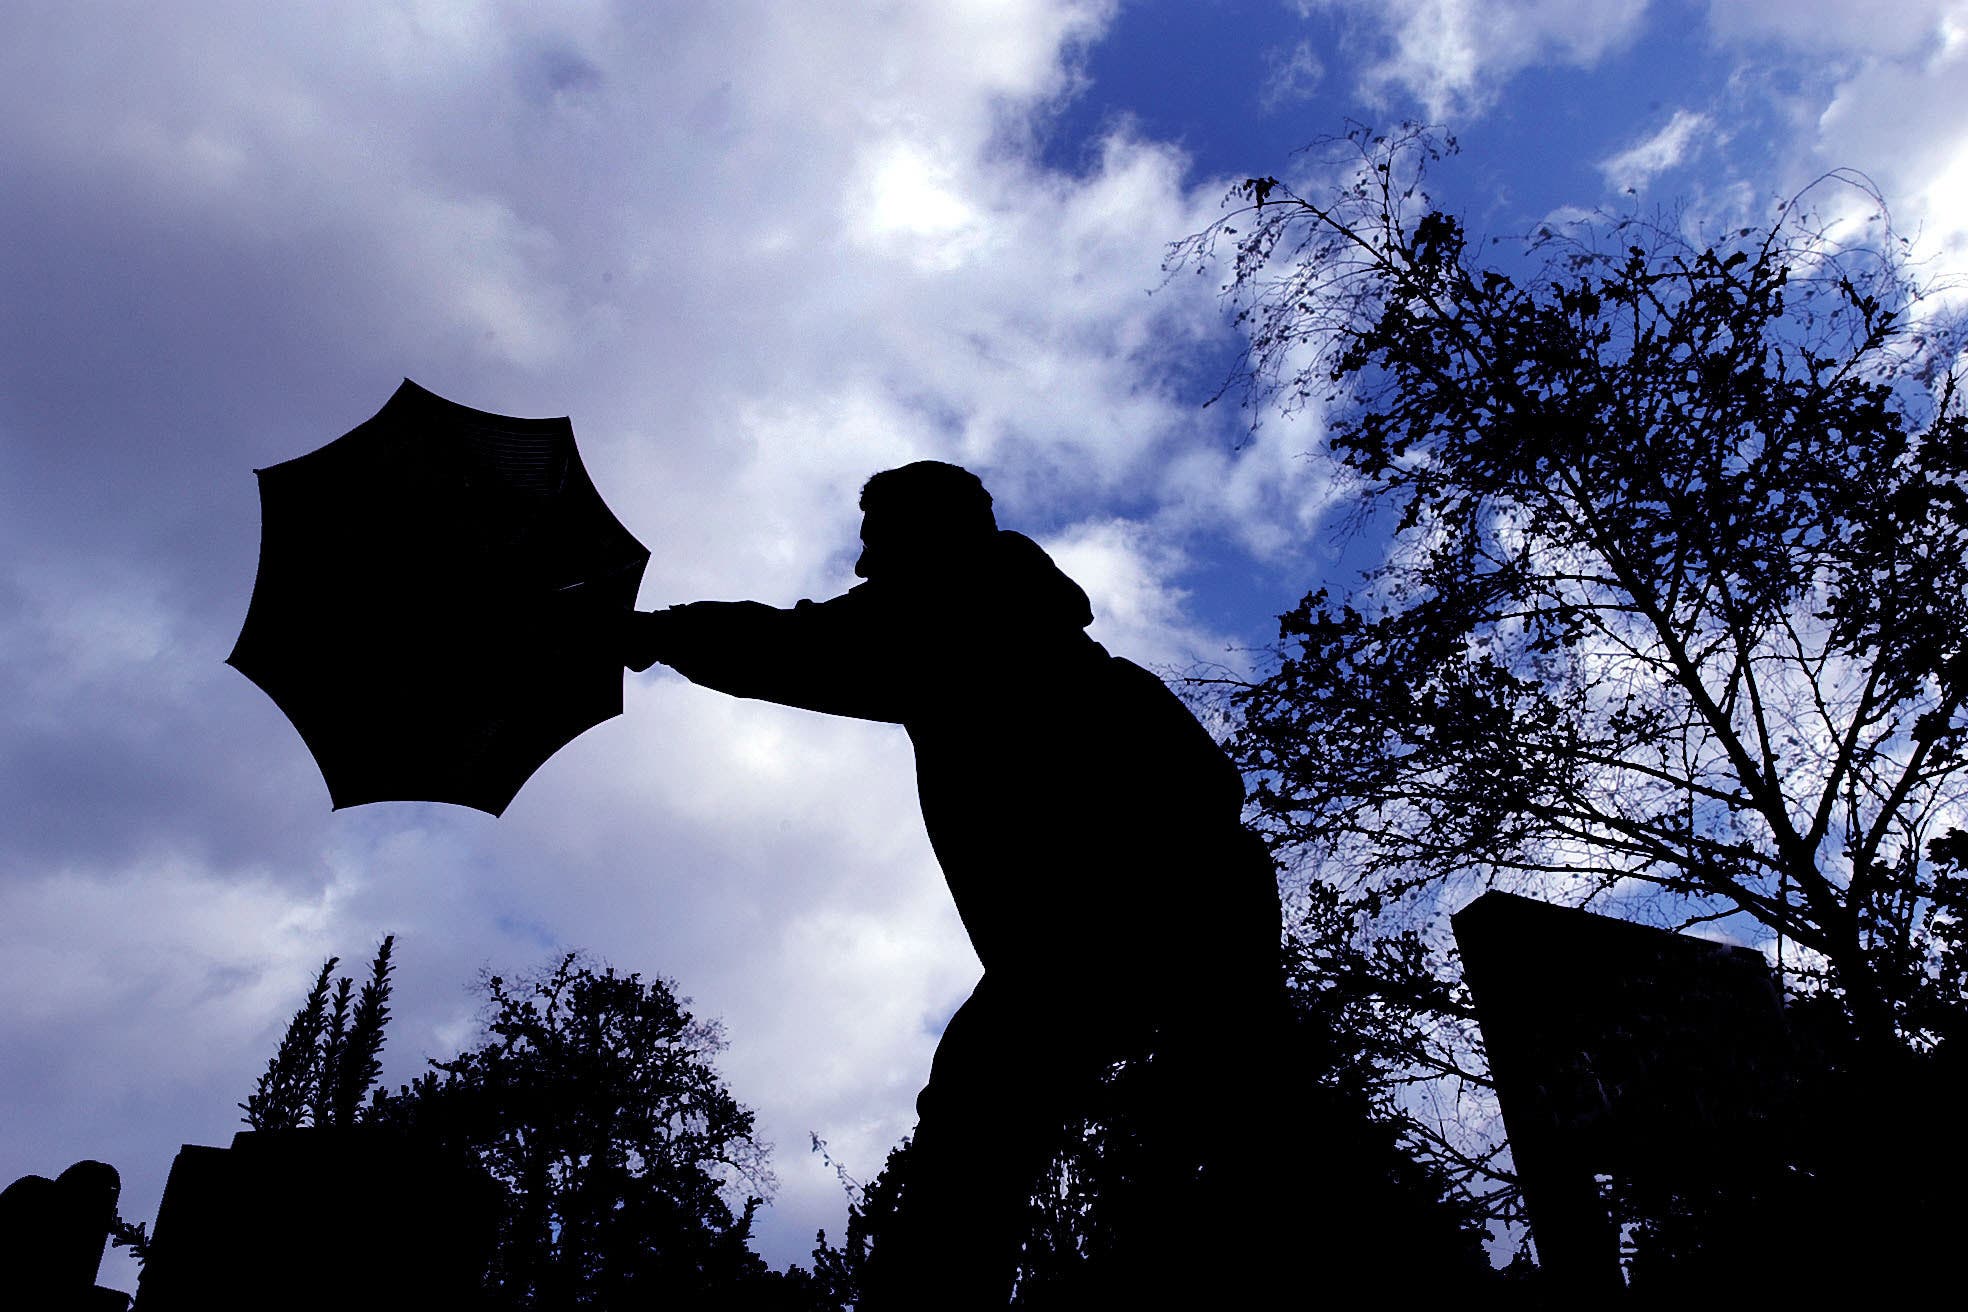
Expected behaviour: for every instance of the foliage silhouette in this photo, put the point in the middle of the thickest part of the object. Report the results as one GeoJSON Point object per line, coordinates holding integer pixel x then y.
{"type": "Point", "coordinates": [1671, 623]}
{"type": "Point", "coordinates": [1325, 1173]}
{"type": "Point", "coordinates": [595, 1107]}
{"type": "Point", "coordinates": [329, 1056]}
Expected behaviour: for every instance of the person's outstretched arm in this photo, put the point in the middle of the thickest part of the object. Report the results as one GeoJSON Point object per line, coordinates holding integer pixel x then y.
{"type": "Point", "coordinates": [847, 656]}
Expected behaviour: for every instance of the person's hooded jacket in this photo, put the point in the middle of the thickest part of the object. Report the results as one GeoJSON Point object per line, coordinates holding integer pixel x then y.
{"type": "Point", "coordinates": [1086, 823]}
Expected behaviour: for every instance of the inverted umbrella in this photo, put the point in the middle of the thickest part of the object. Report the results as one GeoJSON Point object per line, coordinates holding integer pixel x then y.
{"type": "Point", "coordinates": [432, 602]}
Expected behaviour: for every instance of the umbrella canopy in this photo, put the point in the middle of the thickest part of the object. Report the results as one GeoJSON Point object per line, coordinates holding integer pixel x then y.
{"type": "Point", "coordinates": [433, 600]}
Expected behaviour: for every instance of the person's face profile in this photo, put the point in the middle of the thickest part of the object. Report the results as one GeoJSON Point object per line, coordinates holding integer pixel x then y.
{"type": "Point", "coordinates": [870, 556]}
{"type": "Point", "coordinates": [891, 545]}
{"type": "Point", "coordinates": [894, 546]}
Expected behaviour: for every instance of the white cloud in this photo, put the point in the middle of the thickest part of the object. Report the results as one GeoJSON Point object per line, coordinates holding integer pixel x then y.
{"type": "Point", "coordinates": [909, 198]}
{"type": "Point", "coordinates": [1845, 27]}
{"type": "Point", "coordinates": [1645, 160]}
{"type": "Point", "coordinates": [1453, 57]}
{"type": "Point", "coordinates": [1126, 572]}
{"type": "Point", "coordinates": [1894, 108]}
{"type": "Point", "coordinates": [1290, 77]}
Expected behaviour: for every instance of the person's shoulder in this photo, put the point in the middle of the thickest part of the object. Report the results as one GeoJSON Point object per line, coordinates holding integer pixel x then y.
{"type": "Point", "coordinates": [1124, 671]}
{"type": "Point", "coordinates": [1145, 696]}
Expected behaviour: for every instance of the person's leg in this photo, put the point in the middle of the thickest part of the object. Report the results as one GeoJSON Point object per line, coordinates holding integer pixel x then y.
{"type": "Point", "coordinates": [1194, 1221]}
{"type": "Point", "coordinates": [989, 1123]}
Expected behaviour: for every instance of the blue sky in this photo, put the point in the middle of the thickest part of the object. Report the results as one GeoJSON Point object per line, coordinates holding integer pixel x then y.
{"type": "Point", "coordinates": [756, 251]}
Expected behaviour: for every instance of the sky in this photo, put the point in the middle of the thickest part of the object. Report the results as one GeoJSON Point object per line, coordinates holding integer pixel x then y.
{"type": "Point", "coordinates": [756, 251]}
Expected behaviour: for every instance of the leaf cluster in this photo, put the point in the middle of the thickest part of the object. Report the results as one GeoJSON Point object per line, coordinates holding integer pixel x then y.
{"type": "Point", "coordinates": [595, 1106]}
{"type": "Point", "coordinates": [330, 1054]}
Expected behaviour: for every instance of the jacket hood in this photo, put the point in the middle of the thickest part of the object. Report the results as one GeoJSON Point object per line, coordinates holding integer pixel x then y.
{"type": "Point", "coordinates": [1020, 583]}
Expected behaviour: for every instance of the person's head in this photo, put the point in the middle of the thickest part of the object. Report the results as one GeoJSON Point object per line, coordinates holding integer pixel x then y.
{"type": "Point", "coordinates": [922, 515]}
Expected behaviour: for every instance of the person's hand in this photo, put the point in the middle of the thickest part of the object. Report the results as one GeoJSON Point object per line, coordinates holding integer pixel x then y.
{"type": "Point", "coordinates": [640, 638]}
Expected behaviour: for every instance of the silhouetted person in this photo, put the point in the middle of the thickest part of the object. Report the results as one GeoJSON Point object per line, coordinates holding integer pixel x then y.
{"type": "Point", "coordinates": [1090, 833]}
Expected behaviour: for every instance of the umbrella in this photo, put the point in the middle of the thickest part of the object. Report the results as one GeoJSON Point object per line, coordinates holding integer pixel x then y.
{"type": "Point", "coordinates": [433, 600]}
